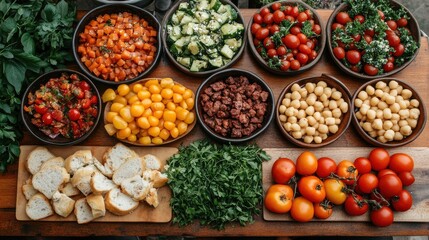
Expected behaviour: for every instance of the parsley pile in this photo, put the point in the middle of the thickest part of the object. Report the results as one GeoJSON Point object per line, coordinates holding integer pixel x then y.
{"type": "Point", "coordinates": [216, 184]}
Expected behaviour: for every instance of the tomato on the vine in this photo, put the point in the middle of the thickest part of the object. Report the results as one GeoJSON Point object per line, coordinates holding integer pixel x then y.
{"type": "Point", "coordinates": [355, 205]}
{"type": "Point", "coordinates": [312, 188]}
{"type": "Point", "coordinates": [283, 170]}
{"type": "Point", "coordinates": [401, 162]}
{"type": "Point", "coordinates": [407, 178]}
{"type": "Point", "coordinates": [367, 182]}
{"type": "Point", "coordinates": [302, 209]}
{"type": "Point", "coordinates": [325, 166]}
{"type": "Point", "coordinates": [279, 198]}
{"type": "Point", "coordinates": [363, 165]}
{"type": "Point", "coordinates": [403, 201]}
{"type": "Point", "coordinates": [379, 159]}
{"type": "Point", "coordinates": [335, 191]}
{"type": "Point", "coordinates": [306, 164]}
{"type": "Point", "coordinates": [382, 217]}
{"type": "Point", "coordinates": [347, 170]}
{"type": "Point", "coordinates": [322, 210]}
{"type": "Point", "coordinates": [389, 185]}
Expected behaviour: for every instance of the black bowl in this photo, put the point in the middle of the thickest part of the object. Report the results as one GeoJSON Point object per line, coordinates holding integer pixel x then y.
{"type": "Point", "coordinates": [222, 75]}
{"type": "Point", "coordinates": [109, 9]}
{"type": "Point", "coordinates": [26, 117]}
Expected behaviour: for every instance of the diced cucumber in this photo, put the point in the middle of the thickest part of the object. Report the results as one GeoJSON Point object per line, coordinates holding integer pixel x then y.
{"type": "Point", "coordinates": [198, 65]}
{"type": "Point", "coordinates": [180, 15]}
{"type": "Point", "coordinates": [203, 5]}
{"type": "Point", "coordinates": [232, 30]}
{"type": "Point", "coordinates": [202, 29]}
{"type": "Point", "coordinates": [207, 40]}
{"type": "Point", "coordinates": [221, 18]}
{"type": "Point", "coordinates": [185, 61]}
{"type": "Point", "coordinates": [213, 25]}
{"type": "Point", "coordinates": [174, 33]}
{"type": "Point", "coordinates": [188, 29]}
{"type": "Point", "coordinates": [183, 6]}
{"type": "Point", "coordinates": [233, 43]}
{"type": "Point", "coordinates": [202, 16]}
{"type": "Point", "coordinates": [221, 9]}
{"type": "Point", "coordinates": [226, 61]}
{"type": "Point", "coordinates": [211, 51]}
{"type": "Point", "coordinates": [175, 51]}
{"type": "Point", "coordinates": [183, 41]}
{"type": "Point", "coordinates": [215, 4]}
{"type": "Point", "coordinates": [194, 48]}
{"type": "Point", "coordinates": [205, 58]}
{"type": "Point", "coordinates": [227, 52]}
{"type": "Point", "coordinates": [186, 19]}
{"type": "Point", "coordinates": [216, 62]}
{"type": "Point", "coordinates": [230, 12]}
{"type": "Point", "coordinates": [174, 19]}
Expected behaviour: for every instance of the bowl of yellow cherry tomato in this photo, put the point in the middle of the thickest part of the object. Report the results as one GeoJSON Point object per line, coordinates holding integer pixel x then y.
{"type": "Point", "coordinates": [152, 111]}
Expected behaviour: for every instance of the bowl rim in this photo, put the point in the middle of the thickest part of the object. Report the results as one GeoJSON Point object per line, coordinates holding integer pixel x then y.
{"type": "Point", "coordinates": [236, 57]}
{"type": "Point", "coordinates": [362, 76]}
{"type": "Point", "coordinates": [306, 67]}
{"type": "Point", "coordinates": [43, 79]}
{"type": "Point", "coordinates": [405, 141]}
{"type": "Point", "coordinates": [116, 7]}
{"type": "Point", "coordinates": [235, 72]}
{"type": "Point", "coordinates": [314, 79]}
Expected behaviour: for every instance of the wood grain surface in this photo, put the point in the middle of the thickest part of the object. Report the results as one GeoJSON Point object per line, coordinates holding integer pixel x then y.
{"type": "Point", "coordinates": [419, 212]}
{"type": "Point", "coordinates": [417, 74]}
{"type": "Point", "coordinates": [144, 213]}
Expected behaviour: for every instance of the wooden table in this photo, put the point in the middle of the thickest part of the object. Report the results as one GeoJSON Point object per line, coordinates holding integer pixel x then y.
{"type": "Point", "coordinates": [417, 74]}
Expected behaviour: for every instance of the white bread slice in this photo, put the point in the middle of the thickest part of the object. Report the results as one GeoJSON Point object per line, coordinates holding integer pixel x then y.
{"type": "Point", "coordinates": [96, 202]}
{"type": "Point", "coordinates": [36, 158]}
{"type": "Point", "coordinates": [119, 203]}
{"type": "Point", "coordinates": [152, 197]}
{"type": "Point", "coordinates": [48, 180]}
{"type": "Point", "coordinates": [133, 166]}
{"type": "Point", "coordinates": [56, 161]}
{"type": "Point", "coordinates": [117, 155]}
{"type": "Point", "coordinates": [38, 207]}
{"type": "Point", "coordinates": [104, 169]}
{"type": "Point", "coordinates": [82, 179]}
{"type": "Point", "coordinates": [83, 211]}
{"type": "Point", "coordinates": [100, 184]}
{"type": "Point", "coordinates": [159, 179]}
{"type": "Point", "coordinates": [69, 190]}
{"type": "Point", "coordinates": [136, 187]}
{"type": "Point", "coordinates": [152, 162]}
{"type": "Point", "coordinates": [63, 205]}
{"type": "Point", "coordinates": [28, 189]}
{"type": "Point", "coordinates": [77, 160]}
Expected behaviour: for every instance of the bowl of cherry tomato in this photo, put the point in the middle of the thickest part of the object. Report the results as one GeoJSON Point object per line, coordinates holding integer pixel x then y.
{"type": "Point", "coordinates": [370, 40]}
{"type": "Point", "coordinates": [61, 107]}
{"type": "Point", "coordinates": [117, 43]}
{"type": "Point", "coordinates": [286, 37]}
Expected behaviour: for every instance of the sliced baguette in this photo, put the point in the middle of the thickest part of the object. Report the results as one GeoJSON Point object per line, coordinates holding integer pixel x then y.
{"type": "Point", "coordinates": [100, 184]}
{"type": "Point", "coordinates": [28, 189]}
{"type": "Point", "coordinates": [63, 205]}
{"type": "Point", "coordinates": [152, 198]}
{"type": "Point", "coordinates": [96, 202]}
{"type": "Point", "coordinates": [133, 166]}
{"type": "Point", "coordinates": [119, 203]}
{"type": "Point", "coordinates": [104, 169]}
{"type": "Point", "coordinates": [69, 190]}
{"type": "Point", "coordinates": [56, 161]}
{"type": "Point", "coordinates": [82, 179]}
{"type": "Point", "coordinates": [38, 207]}
{"type": "Point", "coordinates": [152, 162]}
{"type": "Point", "coordinates": [136, 187]}
{"type": "Point", "coordinates": [159, 179]}
{"type": "Point", "coordinates": [83, 211]}
{"type": "Point", "coordinates": [77, 160]}
{"type": "Point", "coordinates": [36, 158]}
{"type": "Point", "coordinates": [117, 155]}
{"type": "Point", "coordinates": [48, 180]}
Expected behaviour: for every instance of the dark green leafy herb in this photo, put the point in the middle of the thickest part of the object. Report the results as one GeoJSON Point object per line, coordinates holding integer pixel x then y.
{"type": "Point", "coordinates": [284, 28]}
{"type": "Point", "coordinates": [274, 63]}
{"type": "Point", "coordinates": [376, 53]}
{"type": "Point", "coordinates": [410, 45]}
{"type": "Point", "coordinates": [216, 184]}
{"type": "Point", "coordinates": [22, 25]}
{"type": "Point", "coordinates": [307, 29]}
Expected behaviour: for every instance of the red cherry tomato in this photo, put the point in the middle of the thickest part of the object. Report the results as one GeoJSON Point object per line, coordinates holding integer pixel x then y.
{"type": "Point", "coordinates": [304, 49]}
{"type": "Point", "coordinates": [302, 38]}
{"type": "Point", "coordinates": [255, 27]}
{"type": "Point", "coordinates": [325, 166]}
{"type": "Point", "coordinates": [370, 70]}
{"type": "Point", "coordinates": [268, 18]}
{"type": "Point", "coordinates": [399, 50]}
{"type": "Point", "coordinates": [367, 182]}
{"type": "Point", "coordinates": [353, 57]}
{"type": "Point", "coordinates": [355, 205]}
{"type": "Point", "coordinates": [276, 6]}
{"type": "Point", "coordinates": [407, 178]}
{"type": "Point", "coordinates": [367, 38]}
{"type": "Point", "coordinates": [278, 16]}
{"type": "Point", "coordinates": [57, 115]}
{"type": "Point", "coordinates": [274, 28]}
{"type": "Point", "coordinates": [379, 159]}
{"type": "Point", "coordinates": [94, 100]}
{"type": "Point", "coordinates": [283, 170]}
{"type": "Point", "coordinates": [403, 201]}
{"type": "Point", "coordinates": [401, 162]}
{"type": "Point", "coordinates": [40, 108]}
{"type": "Point", "coordinates": [392, 25]}
{"type": "Point", "coordinates": [306, 164]}
{"type": "Point", "coordinates": [312, 55]}
{"type": "Point", "coordinates": [339, 53]}
{"type": "Point", "coordinates": [281, 51]}
{"type": "Point", "coordinates": [257, 18]}
{"type": "Point", "coordinates": [389, 185]}
{"type": "Point", "coordinates": [302, 17]}
{"type": "Point", "coordinates": [402, 22]}
{"type": "Point", "coordinates": [317, 29]}
{"type": "Point", "coordinates": [295, 65]}
{"type": "Point", "coordinates": [337, 25]}
{"type": "Point", "coordinates": [383, 172]}
{"type": "Point", "coordinates": [74, 114]}
{"type": "Point", "coordinates": [302, 58]}
{"type": "Point", "coordinates": [343, 18]}
{"type": "Point", "coordinates": [47, 118]}
{"type": "Point", "coordinates": [363, 165]}
{"type": "Point", "coordinates": [393, 39]}
{"type": "Point", "coordinates": [312, 188]}
{"type": "Point", "coordinates": [389, 66]}
{"type": "Point", "coordinates": [262, 33]}
{"type": "Point", "coordinates": [295, 12]}
{"type": "Point", "coordinates": [382, 217]}
{"type": "Point", "coordinates": [272, 53]}
{"type": "Point", "coordinates": [84, 86]}
{"type": "Point", "coordinates": [285, 65]}
{"type": "Point", "coordinates": [264, 11]}
{"type": "Point", "coordinates": [295, 30]}
{"type": "Point", "coordinates": [291, 41]}
{"type": "Point", "coordinates": [268, 43]}
{"type": "Point", "coordinates": [360, 18]}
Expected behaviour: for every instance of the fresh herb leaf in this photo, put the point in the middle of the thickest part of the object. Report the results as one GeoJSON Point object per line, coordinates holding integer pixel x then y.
{"type": "Point", "coordinates": [274, 63]}
{"type": "Point", "coordinates": [307, 29]}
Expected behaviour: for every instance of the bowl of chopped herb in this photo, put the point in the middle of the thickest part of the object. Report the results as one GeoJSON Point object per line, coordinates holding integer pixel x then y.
{"type": "Point", "coordinates": [369, 39]}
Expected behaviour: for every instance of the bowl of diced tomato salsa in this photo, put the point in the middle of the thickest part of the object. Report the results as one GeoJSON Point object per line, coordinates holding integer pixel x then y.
{"type": "Point", "coordinates": [61, 107]}
{"type": "Point", "coordinates": [117, 43]}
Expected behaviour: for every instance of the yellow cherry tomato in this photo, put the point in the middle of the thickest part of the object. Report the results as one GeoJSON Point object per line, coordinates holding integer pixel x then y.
{"type": "Point", "coordinates": [110, 129]}
{"type": "Point", "coordinates": [116, 107]}
{"type": "Point", "coordinates": [169, 125]}
{"type": "Point", "coordinates": [108, 95]}
{"type": "Point", "coordinates": [110, 115]}
{"type": "Point", "coordinates": [174, 132]}
{"type": "Point", "coordinates": [188, 94]}
{"type": "Point", "coordinates": [167, 83]}
{"type": "Point", "coordinates": [146, 103]}
{"type": "Point", "coordinates": [157, 140]}
{"type": "Point", "coordinates": [169, 115]}
{"type": "Point", "coordinates": [137, 110]}
{"type": "Point", "coordinates": [126, 114]}
{"type": "Point", "coordinates": [143, 122]}
{"type": "Point", "coordinates": [145, 140]}
{"type": "Point", "coordinates": [123, 133]}
{"type": "Point", "coordinates": [182, 127]}
{"type": "Point", "coordinates": [171, 106]}
{"type": "Point", "coordinates": [119, 123]}
{"type": "Point", "coordinates": [190, 102]}
{"type": "Point", "coordinates": [167, 93]}
{"type": "Point", "coordinates": [190, 118]}
{"type": "Point", "coordinates": [132, 138]}
{"type": "Point", "coordinates": [164, 134]}
{"type": "Point", "coordinates": [158, 114]}
{"type": "Point", "coordinates": [123, 89]}
{"type": "Point", "coordinates": [154, 88]}
{"type": "Point", "coordinates": [133, 99]}
{"type": "Point", "coordinates": [179, 89]}
{"type": "Point", "coordinates": [137, 87]}
{"type": "Point", "coordinates": [120, 99]}
{"type": "Point", "coordinates": [156, 97]}
{"type": "Point", "coordinates": [177, 98]}
{"type": "Point", "coordinates": [153, 121]}
{"type": "Point", "coordinates": [143, 94]}
{"type": "Point", "coordinates": [154, 131]}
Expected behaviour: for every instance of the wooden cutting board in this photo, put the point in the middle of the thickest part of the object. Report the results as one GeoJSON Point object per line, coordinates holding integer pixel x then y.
{"type": "Point", "coordinates": [419, 212]}
{"type": "Point", "coordinates": [144, 213]}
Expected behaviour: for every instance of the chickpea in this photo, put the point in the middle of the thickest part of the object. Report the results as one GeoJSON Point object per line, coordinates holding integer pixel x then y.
{"type": "Point", "coordinates": [399, 99]}
{"type": "Point", "coordinates": [333, 129]}
{"type": "Point", "coordinates": [387, 113]}
{"type": "Point", "coordinates": [378, 93]}
{"type": "Point", "coordinates": [374, 101]}
{"type": "Point", "coordinates": [328, 92]}
{"type": "Point", "coordinates": [303, 123]}
{"type": "Point", "coordinates": [333, 105]}
{"type": "Point", "coordinates": [295, 87]}
{"type": "Point", "coordinates": [287, 126]}
{"type": "Point", "coordinates": [330, 121]}
{"type": "Point", "coordinates": [382, 105]}
{"type": "Point", "coordinates": [398, 136]}
{"type": "Point", "coordinates": [304, 104]}
{"type": "Point", "coordinates": [282, 109]}
{"type": "Point", "coordinates": [362, 95]}
{"type": "Point", "coordinates": [395, 107]}
{"type": "Point", "coordinates": [289, 112]}
{"type": "Point", "coordinates": [377, 124]}
{"type": "Point", "coordinates": [414, 103]}
{"type": "Point", "coordinates": [371, 114]}
{"type": "Point", "coordinates": [402, 105]}
{"type": "Point", "coordinates": [293, 119]}
{"type": "Point", "coordinates": [310, 87]}
{"type": "Point", "coordinates": [406, 130]}
{"type": "Point", "coordinates": [336, 95]}
{"type": "Point", "coordinates": [358, 102]}
{"type": "Point", "coordinates": [387, 125]}
{"type": "Point", "coordinates": [327, 113]}
{"type": "Point", "coordinates": [295, 95]}
{"type": "Point", "coordinates": [323, 128]}
{"type": "Point", "coordinates": [323, 97]}
{"type": "Point", "coordinates": [297, 134]}
{"type": "Point", "coordinates": [359, 115]}
{"type": "Point", "coordinates": [286, 102]}
{"type": "Point", "coordinates": [295, 104]}
{"type": "Point", "coordinates": [379, 113]}
{"type": "Point", "coordinates": [382, 139]}
{"type": "Point", "coordinates": [406, 94]}
{"type": "Point", "coordinates": [324, 136]}
{"type": "Point", "coordinates": [282, 118]}
{"type": "Point", "coordinates": [295, 127]}
{"type": "Point", "coordinates": [367, 127]}
{"type": "Point", "coordinates": [404, 113]}
{"type": "Point", "coordinates": [310, 131]}
{"type": "Point", "coordinates": [386, 89]}
{"type": "Point", "coordinates": [317, 139]}
{"type": "Point", "coordinates": [310, 110]}
{"type": "Point", "coordinates": [336, 113]}
{"type": "Point", "coordinates": [381, 132]}
{"type": "Point", "coordinates": [414, 113]}
{"type": "Point", "coordinates": [301, 114]}
{"type": "Point", "coordinates": [396, 127]}
{"type": "Point", "coordinates": [322, 84]}
{"type": "Point", "coordinates": [373, 134]}
{"type": "Point", "coordinates": [288, 95]}
{"type": "Point", "coordinates": [390, 100]}
{"type": "Point", "coordinates": [318, 106]}
{"type": "Point", "coordinates": [337, 121]}
{"type": "Point", "coordinates": [380, 85]}
{"type": "Point", "coordinates": [308, 139]}
{"type": "Point", "coordinates": [364, 109]}
{"type": "Point", "coordinates": [322, 120]}
{"type": "Point", "coordinates": [412, 122]}
{"type": "Point", "coordinates": [370, 90]}
{"type": "Point", "coordinates": [393, 93]}
{"type": "Point", "coordinates": [317, 116]}
{"type": "Point", "coordinates": [311, 120]}
{"type": "Point", "coordinates": [402, 123]}
{"type": "Point", "coordinates": [326, 103]}
{"type": "Point", "coordinates": [318, 91]}
{"type": "Point", "coordinates": [303, 92]}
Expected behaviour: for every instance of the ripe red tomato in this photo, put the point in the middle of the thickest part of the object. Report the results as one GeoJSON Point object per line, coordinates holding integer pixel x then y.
{"type": "Point", "coordinates": [335, 191]}
{"type": "Point", "coordinates": [285, 65]}
{"type": "Point", "coordinates": [367, 182]}
{"type": "Point", "coordinates": [382, 217]}
{"type": "Point", "coordinates": [74, 114]}
{"type": "Point", "coordinates": [346, 169]}
{"type": "Point", "coordinates": [274, 28]}
{"type": "Point", "coordinates": [302, 210]}
{"type": "Point", "coordinates": [393, 39]}
{"type": "Point", "coordinates": [306, 164]}
{"type": "Point", "coordinates": [47, 118]}
{"type": "Point", "coordinates": [255, 27]}
{"type": "Point", "coordinates": [262, 33]}
{"type": "Point", "coordinates": [312, 188]}
{"type": "Point", "coordinates": [295, 30]}
{"type": "Point", "coordinates": [278, 16]}
{"type": "Point", "coordinates": [268, 18]}
{"type": "Point", "coordinates": [281, 51]}
{"type": "Point", "coordinates": [302, 38]}
{"type": "Point", "coordinates": [295, 64]}
{"type": "Point", "coordinates": [257, 18]}
{"type": "Point", "coordinates": [407, 178]}
{"type": "Point", "coordinates": [302, 58]}
{"type": "Point", "coordinates": [288, 10]}
{"type": "Point", "coordinates": [389, 66]}
{"type": "Point", "coordinates": [264, 11]}
{"type": "Point", "coordinates": [401, 162]}
{"type": "Point", "coordinates": [360, 18]}
{"type": "Point", "coordinates": [325, 166]}
{"type": "Point", "coordinates": [392, 25]}
{"type": "Point", "coordinates": [389, 185]}
{"type": "Point", "coordinates": [276, 6]}
{"type": "Point", "coordinates": [57, 115]}
{"type": "Point", "coordinates": [322, 211]}
{"type": "Point", "coordinates": [339, 53]}
{"type": "Point", "coordinates": [399, 50]}
{"type": "Point", "coordinates": [343, 18]}
{"type": "Point", "coordinates": [379, 159]}
{"type": "Point", "coordinates": [370, 70]}
{"type": "Point", "coordinates": [370, 32]}
{"type": "Point", "coordinates": [272, 53]}
{"type": "Point", "coordinates": [279, 198]}
{"type": "Point", "coordinates": [337, 25]}
{"type": "Point", "coordinates": [41, 108]}
{"type": "Point", "coordinates": [84, 86]}
{"type": "Point", "coordinates": [402, 22]}
{"type": "Point", "coordinates": [317, 29]}
{"type": "Point", "coordinates": [312, 55]}
{"type": "Point", "coordinates": [355, 205]}
{"type": "Point", "coordinates": [94, 99]}
{"type": "Point", "coordinates": [363, 165]}
{"type": "Point", "coordinates": [383, 172]}
{"type": "Point", "coordinates": [291, 41]}
{"type": "Point", "coordinates": [403, 201]}
{"type": "Point", "coordinates": [295, 12]}
{"type": "Point", "coordinates": [353, 56]}
{"type": "Point", "coordinates": [268, 43]}
{"type": "Point", "coordinates": [283, 170]}
{"type": "Point", "coordinates": [367, 38]}
{"type": "Point", "coordinates": [302, 17]}
{"type": "Point", "coordinates": [309, 14]}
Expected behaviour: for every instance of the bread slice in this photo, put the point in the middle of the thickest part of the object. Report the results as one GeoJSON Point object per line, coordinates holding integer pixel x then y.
{"type": "Point", "coordinates": [152, 197]}
{"type": "Point", "coordinates": [28, 189]}
{"type": "Point", "coordinates": [136, 187]}
{"type": "Point", "coordinates": [63, 205]}
{"type": "Point", "coordinates": [36, 158]}
{"type": "Point", "coordinates": [159, 179]}
{"type": "Point", "coordinates": [83, 211]}
{"type": "Point", "coordinates": [82, 179]}
{"type": "Point", "coordinates": [133, 166]}
{"type": "Point", "coordinates": [77, 160]}
{"type": "Point", "coordinates": [69, 190]}
{"type": "Point", "coordinates": [38, 207]}
{"type": "Point", "coordinates": [104, 169]}
{"type": "Point", "coordinates": [48, 180]}
{"type": "Point", "coordinates": [56, 161]}
{"type": "Point", "coordinates": [119, 203]}
{"type": "Point", "coordinates": [117, 155]}
{"type": "Point", "coordinates": [152, 162]}
{"type": "Point", "coordinates": [96, 202]}
{"type": "Point", "coordinates": [100, 184]}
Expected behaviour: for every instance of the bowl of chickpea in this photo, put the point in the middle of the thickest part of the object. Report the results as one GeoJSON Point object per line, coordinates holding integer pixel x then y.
{"type": "Point", "coordinates": [149, 112]}
{"type": "Point", "coordinates": [388, 112]}
{"type": "Point", "coordinates": [314, 112]}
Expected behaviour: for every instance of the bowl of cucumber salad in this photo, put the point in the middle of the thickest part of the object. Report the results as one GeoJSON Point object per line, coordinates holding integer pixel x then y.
{"type": "Point", "coordinates": [201, 37]}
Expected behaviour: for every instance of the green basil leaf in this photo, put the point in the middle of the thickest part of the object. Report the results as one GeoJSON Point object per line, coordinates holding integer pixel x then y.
{"type": "Point", "coordinates": [14, 149]}
{"type": "Point", "coordinates": [8, 25]}
{"type": "Point", "coordinates": [62, 8]}
{"type": "Point", "coordinates": [28, 43]}
{"type": "Point", "coordinates": [48, 12]}
{"type": "Point", "coordinates": [5, 107]}
{"type": "Point", "coordinates": [30, 61]}
{"type": "Point", "coordinates": [7, 54]}
{"type": "Point", "coordinates": [15, 74]}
